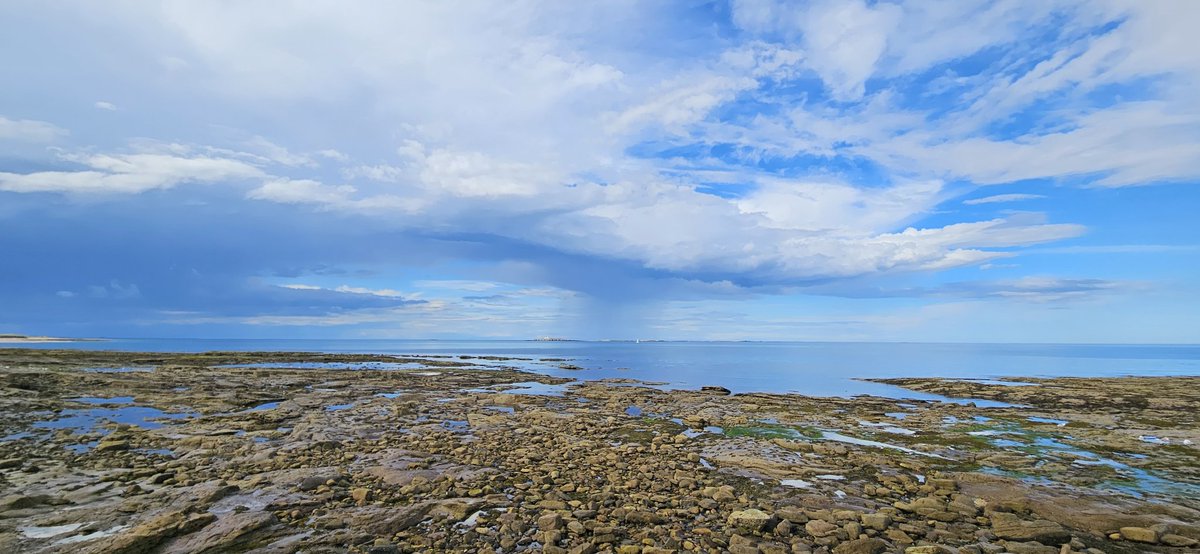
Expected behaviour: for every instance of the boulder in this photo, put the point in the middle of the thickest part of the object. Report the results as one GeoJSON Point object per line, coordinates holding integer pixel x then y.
{"type": "Point", "coordinates": [1147, 535]}
{"type": "Point", "coordinates": [750, 520]}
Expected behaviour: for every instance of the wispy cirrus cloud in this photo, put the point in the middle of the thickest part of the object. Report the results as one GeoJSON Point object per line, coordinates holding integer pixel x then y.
{"type": "Point", "coordinates": [998, 198]}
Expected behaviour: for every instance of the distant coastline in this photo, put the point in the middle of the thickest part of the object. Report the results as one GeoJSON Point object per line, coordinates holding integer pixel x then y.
{"type": "Point", "coordinates": [10, 338]}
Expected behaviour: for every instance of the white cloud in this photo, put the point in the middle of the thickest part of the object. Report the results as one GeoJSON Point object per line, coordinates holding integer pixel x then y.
{"type": "Point", "coordinates": [457, 285]}
{"type": "Point", "coordinates": [129, 173]}
{"type": "Point", "coordinates": [276, 153]}
{"type": "Point", "coordinates": [333, 155]}
{"type": "Point", "coordinates": [347, 289]}
{"type": "Point", "coordinates": [28, 130]}
{"type": "Point", "coordinates": [997, 198]}
{"type": "Point", "coordinates": [301, 191]}
{"type": "Point", "coordinates": [842, 207]}
{"type": "Point", "coordinates": [493, 122]}
{"type": "Point", "coordinates": [842, 40]}
{"type": "Point", "coordinates": [108, 106]}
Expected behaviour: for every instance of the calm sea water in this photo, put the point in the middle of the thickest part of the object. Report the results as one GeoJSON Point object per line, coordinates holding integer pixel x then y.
{"type": "Point", "coordinates": [823, 369]}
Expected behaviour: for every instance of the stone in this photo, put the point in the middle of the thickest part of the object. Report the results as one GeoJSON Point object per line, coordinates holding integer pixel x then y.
{"type": "Point", "coordinates": [898, 536]}
{"type": "Point", "coordinates": [312, 482]}
{"type": "Point", "coordinates": [360, 495]}
{"type": "Point", "coordinates": [720, 494]}
{"type": "Point", "coordinates": [112, 445]}
{"type": "Point", "coordinates": [550, 522]}
{"type": "Point", "coordinates": [878, 522]}
{"type": "Point", "coordinates": [750, 520]}
{"type": "Point", "coordinates": [818, 528]}
{"type": "Point", "coordinates": [1141, 534]}
{"type": "Point", "coordinates": [861, 546]}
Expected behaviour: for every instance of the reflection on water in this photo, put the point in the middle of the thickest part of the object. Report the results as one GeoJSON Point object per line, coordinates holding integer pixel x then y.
{"type": "Point", "coordinates": [86, 421]}
{"type": "Point", "coordinates": [118, 369]}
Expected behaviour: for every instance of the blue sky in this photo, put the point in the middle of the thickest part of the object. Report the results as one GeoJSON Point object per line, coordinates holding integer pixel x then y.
{"type": "Point", "coordinates": [756, 169]}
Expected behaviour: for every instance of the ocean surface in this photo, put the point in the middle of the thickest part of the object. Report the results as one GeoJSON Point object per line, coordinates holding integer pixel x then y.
{"type": "Point", "coordinates": [812, 368]}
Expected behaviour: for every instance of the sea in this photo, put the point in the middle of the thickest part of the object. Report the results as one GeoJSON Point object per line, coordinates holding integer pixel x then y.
{"type": "Point", "coordinates": [810, 368]}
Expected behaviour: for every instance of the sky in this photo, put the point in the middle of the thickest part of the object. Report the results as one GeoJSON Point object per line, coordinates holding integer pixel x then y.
{"type": "Point", "coordinates": [959, 171]}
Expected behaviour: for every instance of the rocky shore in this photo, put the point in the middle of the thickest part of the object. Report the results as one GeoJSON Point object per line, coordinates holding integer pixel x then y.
{"type": "Point", "coordinates": [292, 452]}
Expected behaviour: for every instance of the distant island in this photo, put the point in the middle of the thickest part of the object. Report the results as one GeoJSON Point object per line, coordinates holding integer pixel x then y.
{"type": "Point", "coordinates": [15, 338]}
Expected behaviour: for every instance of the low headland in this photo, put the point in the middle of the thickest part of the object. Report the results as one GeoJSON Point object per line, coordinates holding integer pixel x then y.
{"type": "Point", "coordinates": [120, 452]}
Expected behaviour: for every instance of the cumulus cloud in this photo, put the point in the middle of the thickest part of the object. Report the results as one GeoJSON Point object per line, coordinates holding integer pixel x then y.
{"type": "Point", "coordinates": [107, 106]}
